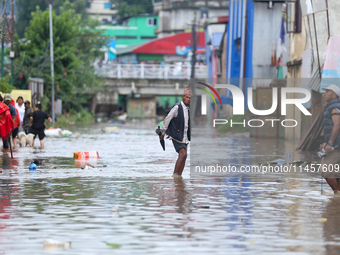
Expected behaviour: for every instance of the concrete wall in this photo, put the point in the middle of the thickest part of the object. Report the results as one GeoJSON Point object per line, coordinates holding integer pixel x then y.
{"type": "Point", "coordinates": [173, 21]}
{"type": "Point", "coordinates": [321, 29]}
{"type": "Point", "coordinates": [105, 102]}
{"type": "Point", "coordinates": [307, 40]}
{"type": "Point", "coordinates": [141, 107]}
{"type": "Point", "coordinates": [267, 27]}
{"type": "Point", "coordinates": [164, 27]}
{"type": "Point", "coordinates": [301, 42]}
{"type": "Point", "coordinates": [294, 70]}
{"type": "Point", "coordinates": [146, 86]}
{"type": "Point", "coordinates": [298, 44]}
{"type": "Point", "coordinates": [97, 11]}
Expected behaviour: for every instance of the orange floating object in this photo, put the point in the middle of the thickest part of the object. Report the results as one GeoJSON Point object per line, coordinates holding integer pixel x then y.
{"type": "Point", "coordinates": [85, 155]}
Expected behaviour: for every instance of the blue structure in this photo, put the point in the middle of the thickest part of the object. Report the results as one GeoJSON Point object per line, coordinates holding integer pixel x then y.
{"type": "Point", "coordinates": [240, 39]}
{"type": "Point", "coordinates": [112, 49]}
{"type": "Point", "coordinates": [239, 53]}
{"type": "Point", "coordinates": [252, 34]}
{"type": "Point", "coordinates": [239, 47]}
{"type": "Point", "coordinates": [208, 53]}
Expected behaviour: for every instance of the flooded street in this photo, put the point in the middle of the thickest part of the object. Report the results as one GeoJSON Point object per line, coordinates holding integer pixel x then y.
{"type": "Point", "coordinates": [129, 204]}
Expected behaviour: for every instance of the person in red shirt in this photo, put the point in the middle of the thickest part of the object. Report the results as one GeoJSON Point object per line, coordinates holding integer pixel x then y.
{"type": "Point", "coordinates": [7, 119]}
{"type": "Point", "coordinates": [16, 125]}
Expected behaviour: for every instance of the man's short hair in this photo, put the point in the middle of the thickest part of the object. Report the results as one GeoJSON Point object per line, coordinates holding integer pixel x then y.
{"type": "Point", "coordinates": [38, 106]}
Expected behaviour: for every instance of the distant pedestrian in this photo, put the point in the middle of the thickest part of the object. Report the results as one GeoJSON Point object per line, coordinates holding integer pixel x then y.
{"type": "Point", "coordinates": [7, 101]}
{"type": "Point", "coordinates": [177, 126]}
{"type": "Point", "coordinates": [21, 108]}
{"type": "Point", "coordinates": [28, 113]}
{"type": "Point", "coordinates": [16, 125]}
{"type": "Point", "coordinates": [6, 123]}
{"type": "Point", "coordinates": [37, 122]}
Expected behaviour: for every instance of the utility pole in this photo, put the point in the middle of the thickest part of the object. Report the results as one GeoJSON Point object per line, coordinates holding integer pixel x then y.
{"type": "Point", "coordinates": [52, 62]}
{"type": "Point", "coordinates": [193, 62]}
{"type": "Point", "coordinates": [194, 46]}
{"type": "Point", "coordinates": [3, 40]}
{"type": "Point", "coordinates": [11, 54]}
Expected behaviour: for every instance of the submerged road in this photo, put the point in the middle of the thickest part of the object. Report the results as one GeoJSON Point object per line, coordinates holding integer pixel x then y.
{"type": "Point", "coordinates": [129, 204]}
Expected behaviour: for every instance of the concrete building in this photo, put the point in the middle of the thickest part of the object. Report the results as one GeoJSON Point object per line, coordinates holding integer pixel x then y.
{"type": "Point", "coordinates": [176, 16]}
{"type": "Point", "coordinates": [101, 10]}
{"type": "Point", "coordinates": [307, 53]}
{"type": "Point", "coordinates": [254, 45]}
{"type": "Point", "coordinates": [134, 30]}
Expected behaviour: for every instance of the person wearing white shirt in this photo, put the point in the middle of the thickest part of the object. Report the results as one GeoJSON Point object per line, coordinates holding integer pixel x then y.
{"type": "Point", "coordinates": [21, 109]}
{"type": "Point", "coordinates": [177, 126]}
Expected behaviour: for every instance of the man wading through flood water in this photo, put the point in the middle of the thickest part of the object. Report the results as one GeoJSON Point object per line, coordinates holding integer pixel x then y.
{"type": "Point", "coordinates": [331, 121]}
{"type": "Point", "coordinates": [177, 126]}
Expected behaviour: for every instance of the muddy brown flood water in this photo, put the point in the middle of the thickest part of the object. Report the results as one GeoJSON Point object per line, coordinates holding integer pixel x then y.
{"type": "Point", "coordinates": [129, 204]}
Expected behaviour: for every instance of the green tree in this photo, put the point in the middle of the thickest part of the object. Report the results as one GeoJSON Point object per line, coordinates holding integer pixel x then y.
{"type": "Point", "coordinates": [128, 8]}
{"type": "Point", "coordinates": [5, 86]}
{"type": "Point", "coordinates": [26, 7]}
{"type": "Point", "coordinates": [76, 45]}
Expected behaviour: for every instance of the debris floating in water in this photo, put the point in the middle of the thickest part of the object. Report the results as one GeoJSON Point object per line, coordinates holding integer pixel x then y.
{"type": "Point", "coordinates": [38, 161]}
{"type": "Point", "coordinates": [66, 133]}
{"type": "Point", "coordinates": [85, 155]}
{"type": "Point", "coordinates": [278, 161]}
{"type": "Point", "coordinates": [202, 206]}
{"type": "Point", "coordinates": [88, 167]}
{"type": "Point", "coordinates": [114, 245]}
{"type": "Point", "coordinates": [52, 244]}
{"type": "Point", "coordinates": [32, 166]}
{"type": "Point", "coordinates": [53, 132]}
{"type": "Point", "coordinates": [115, 211]}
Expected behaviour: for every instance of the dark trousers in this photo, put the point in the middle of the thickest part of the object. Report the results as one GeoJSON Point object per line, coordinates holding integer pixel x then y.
{"type": "Point", "coordinates": [5, 143]}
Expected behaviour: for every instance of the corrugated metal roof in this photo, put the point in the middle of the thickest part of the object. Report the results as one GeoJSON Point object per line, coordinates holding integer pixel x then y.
{"type": "Point", "coordinates": [167, 45]}
{"type": "Point", "coordinates": [163, 46]}
{"type": "Point", "coordinates": [315, 82]}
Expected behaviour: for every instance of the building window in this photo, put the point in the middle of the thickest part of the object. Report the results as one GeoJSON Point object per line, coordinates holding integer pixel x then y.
{"type": "Point", "coordinates": [151, 22]}
{"type": "Point", "coordinates": [148, 37]}
{"type": "Point", "coordinates": [88, 5]}
{"type": "Point", "coordinates": [107, 5]}
{"type": "Point", "coordinates": [294, 17]}
{"type": "Point", "coordinates": [126, 37]}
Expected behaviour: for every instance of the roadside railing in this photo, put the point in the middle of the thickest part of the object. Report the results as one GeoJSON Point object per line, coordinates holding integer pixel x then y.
{"type": "Point", "coordinates": [149, 71]}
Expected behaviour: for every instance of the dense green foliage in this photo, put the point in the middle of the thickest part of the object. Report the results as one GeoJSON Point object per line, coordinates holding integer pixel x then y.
{"type": "Point", "coordinates": [128, 8]}
{"type": "Point", "coordinates": [76, 44]}
{"type": "Point", "coordinates": [5, 86]}
{"type": "Point", "coordinates": [84, 117]}
{"type": "Point", "coordinates": [26, 7]}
